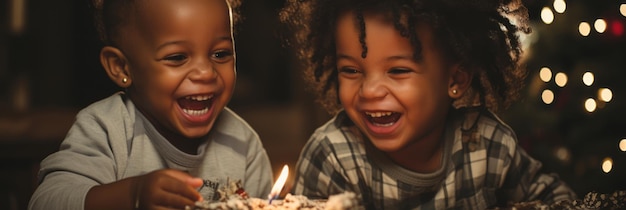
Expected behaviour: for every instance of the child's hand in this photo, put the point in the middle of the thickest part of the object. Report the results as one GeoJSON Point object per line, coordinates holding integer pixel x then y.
{"type": "Point", "coordinates": [165, 189]}
{"type": "Point", "coordinates": [162, 189]}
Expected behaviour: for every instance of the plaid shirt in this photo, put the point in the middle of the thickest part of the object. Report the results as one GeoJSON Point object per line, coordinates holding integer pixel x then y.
{"type": "Point", "coordinates": [483, 168]}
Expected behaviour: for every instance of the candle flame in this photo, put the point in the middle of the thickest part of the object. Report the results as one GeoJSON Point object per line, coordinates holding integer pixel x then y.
{"type": "Point", "coordinates": [278, 185]}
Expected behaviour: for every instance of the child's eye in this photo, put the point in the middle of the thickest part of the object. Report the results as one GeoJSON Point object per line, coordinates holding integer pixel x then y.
{"type": "Point", "coordinates": [348, 71]}
{"type": "Point", "coordinates": [175, 58]}
{"type": "Point", "coordinates": [399, 71]}
{"type": "Point", "coordinates": [222, 55]}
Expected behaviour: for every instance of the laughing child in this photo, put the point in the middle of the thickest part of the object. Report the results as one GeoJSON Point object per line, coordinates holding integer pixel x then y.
{"type": "Point", "coordinates": [415, 85]}
{"type": "Point", "coordinates": [168, 140]}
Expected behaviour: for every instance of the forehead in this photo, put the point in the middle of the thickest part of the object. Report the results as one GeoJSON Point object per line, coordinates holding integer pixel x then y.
{"type": "Point", "coordinates": [158, 14]}
{"type": "Point", "coordinates": [152, 18]}
{"type": "Point", "coordinates": [152, 10]}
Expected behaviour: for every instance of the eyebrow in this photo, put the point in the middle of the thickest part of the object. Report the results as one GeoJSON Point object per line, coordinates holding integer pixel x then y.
{"type": "Point", "coordinates": [400, 57]}
{"type": "Point", "coordinates": [344, 56]}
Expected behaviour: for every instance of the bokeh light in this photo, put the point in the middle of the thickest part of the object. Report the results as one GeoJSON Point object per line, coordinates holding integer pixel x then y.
{"type": "Point", "coordinates": [559, 6]}
{"type": "Point", "coordinates": [622, 145]}
{"type": "Point", "coordinates": [547, 96]}
{"type": "Point", "coordinates": [588, 78]}
{"type": "Point", "coordinates": [545, 74]}
{"type": "Point", "coordinates": [546, 15]}
{"type": "Point", "coordinates": [607, 164]}
{"type": "Point", "coordinates": [605, 94]}
{"type": "Point", "coordinates": [590, 105]}
{"type": "Point", "coordinates": [17, 16]}
{"type": "Point", "coordinates": [617, 28]}
{"type": "Point", "coordinates": [584, 28]}
{"type": "Point", "coordinates": [560, 79]}
{"type": "Point", "coordinates": [622, 9]}
{"type": "Point", "coordinates": [600, 25]}
{"type": "Point", "coordinates": [563, 154]}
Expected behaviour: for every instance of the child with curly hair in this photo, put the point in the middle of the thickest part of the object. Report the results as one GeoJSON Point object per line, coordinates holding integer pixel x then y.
{"type": "Point", "coordinates": [168, 140]}
{"type": "Point", "coordinates": [414, 86]}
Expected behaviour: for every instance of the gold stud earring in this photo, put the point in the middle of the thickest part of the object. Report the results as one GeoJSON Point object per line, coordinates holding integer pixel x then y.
{"type": "Point", "coordinates": [454, 91]}
{"type": "Point", "coordinates": [124, 80]}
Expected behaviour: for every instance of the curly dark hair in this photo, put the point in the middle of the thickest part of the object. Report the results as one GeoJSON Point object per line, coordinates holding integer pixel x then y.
{"type": "Point", "coordinates": [480, 36]}
{"type": "Point", "coordinates": [110, 14]}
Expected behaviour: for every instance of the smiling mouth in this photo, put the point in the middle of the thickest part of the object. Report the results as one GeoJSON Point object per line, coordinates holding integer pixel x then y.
{"type": "Point", "coordinates": [383, 119]}
{"type": "Point", "coordinates": [196, 105]}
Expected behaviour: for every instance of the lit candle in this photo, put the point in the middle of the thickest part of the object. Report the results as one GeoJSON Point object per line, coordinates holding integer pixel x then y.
{"type": "Point", "coordinates": [278, 185]}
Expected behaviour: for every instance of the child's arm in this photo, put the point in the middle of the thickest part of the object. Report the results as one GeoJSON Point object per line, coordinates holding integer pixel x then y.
{"type": "Point", "coordinates": [525, 182]}
{"type": "Point", "coordinates": [83, 175]}
{"type": "Point", "coordinates": [93, 155]}
{"type": "Point", "coordinates": [514, 174]}
{"type": "Point", "coordinates": [163, 188]}
{"type": "Point", "coordinates": [318, 172]}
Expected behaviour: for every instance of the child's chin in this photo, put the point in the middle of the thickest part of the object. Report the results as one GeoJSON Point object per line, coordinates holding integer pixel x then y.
{"type": "Point", "coordinates": [196, 133]}
{"type": "Point", "coordinates": [385, 146]}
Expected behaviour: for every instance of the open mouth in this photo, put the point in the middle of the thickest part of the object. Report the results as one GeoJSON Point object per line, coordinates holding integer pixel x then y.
{"type": "Point", "coordinates": [382, 119]}
{"type": "Point", "coordinates": [196, 105]}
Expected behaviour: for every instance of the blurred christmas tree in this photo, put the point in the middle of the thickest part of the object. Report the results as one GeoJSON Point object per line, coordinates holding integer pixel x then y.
{"type": "Point", "coordinates": [571, 116]}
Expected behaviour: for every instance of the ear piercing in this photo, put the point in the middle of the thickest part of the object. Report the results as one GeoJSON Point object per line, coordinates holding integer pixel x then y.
{"type": "Point", "coordinates": [453, 90]}
{"type": "Point", "coordinates": [124, 80]}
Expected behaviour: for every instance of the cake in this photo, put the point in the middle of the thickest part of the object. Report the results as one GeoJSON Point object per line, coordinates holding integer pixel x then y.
{"type": "Point", "coordinates": [592, 200]}
{"type": "Point", "coordinates": [233, 197]}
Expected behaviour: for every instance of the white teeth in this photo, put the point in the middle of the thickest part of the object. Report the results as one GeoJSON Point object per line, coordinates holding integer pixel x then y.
{"type": "Point", "coordinates": [378, 114]}
{"type": "Point", "coordinates": [199, 98]}
{"type": "Point", "coordinates": [196, 112]}
{"type": "Point", "coordinates": [384, 125]}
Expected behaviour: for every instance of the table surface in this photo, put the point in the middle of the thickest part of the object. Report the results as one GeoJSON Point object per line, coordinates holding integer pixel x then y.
{"type": "Point", "coordinates": [25, 139]}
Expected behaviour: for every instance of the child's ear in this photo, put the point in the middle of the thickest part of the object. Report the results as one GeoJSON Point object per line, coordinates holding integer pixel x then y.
{"type": "Point", "coordinates": [115, 64]}
{"type": "Point", "coordinates": [460, 80]}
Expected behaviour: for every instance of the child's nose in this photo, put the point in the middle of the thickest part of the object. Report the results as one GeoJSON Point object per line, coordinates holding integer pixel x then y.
{"type": "Point", "coordinates": [203, 72]}
{"type": "Point", "coordinates": [372, 88]}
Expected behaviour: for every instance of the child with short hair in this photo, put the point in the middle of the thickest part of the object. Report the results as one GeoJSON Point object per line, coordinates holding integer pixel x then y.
{"type": "Point", "coordinates": [415, 84]}
{"type": "Point", "coordinates": [168, 140]}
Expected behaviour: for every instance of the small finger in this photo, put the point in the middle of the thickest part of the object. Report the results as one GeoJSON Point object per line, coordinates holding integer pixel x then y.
{"type": "Point", "coordinates": [195, 182]}
{"type": "Point", "coordinates": [183, 189]}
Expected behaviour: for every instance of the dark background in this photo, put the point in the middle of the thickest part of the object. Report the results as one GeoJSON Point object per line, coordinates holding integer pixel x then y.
{"type": "Point", "coordinates": [49, 69]}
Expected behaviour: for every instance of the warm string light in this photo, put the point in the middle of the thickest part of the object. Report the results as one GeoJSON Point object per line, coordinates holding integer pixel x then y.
{"type": "Point", "coordinates": [600, 25]}
{"type": "Point", "coordinates": [546, 15]}
{"type": "Point", "coordinates": [588, 78]}
{"type": "Point", "coordinates": [613, 28]}
{"type": "Point", "coordinates": [590, 105]}
{"type": "Point", "coordinates": [607, 165]}
{"type": "Point", "coordinates": [560, 79]}
{"type": "Point", "coordinates": [547, 96]}
{"type": "Point", "coordinates": [559, 6]}
{"type": "Point", "coordinates": [584, 28]}
{"type": "Point", "coordinates": [605, 94]}
{"type": "Point", "coordinates": [545, 74]}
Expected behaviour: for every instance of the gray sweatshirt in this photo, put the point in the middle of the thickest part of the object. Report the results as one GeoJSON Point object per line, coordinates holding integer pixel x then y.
{"type": "Point", "coordinates": [112, 140]}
